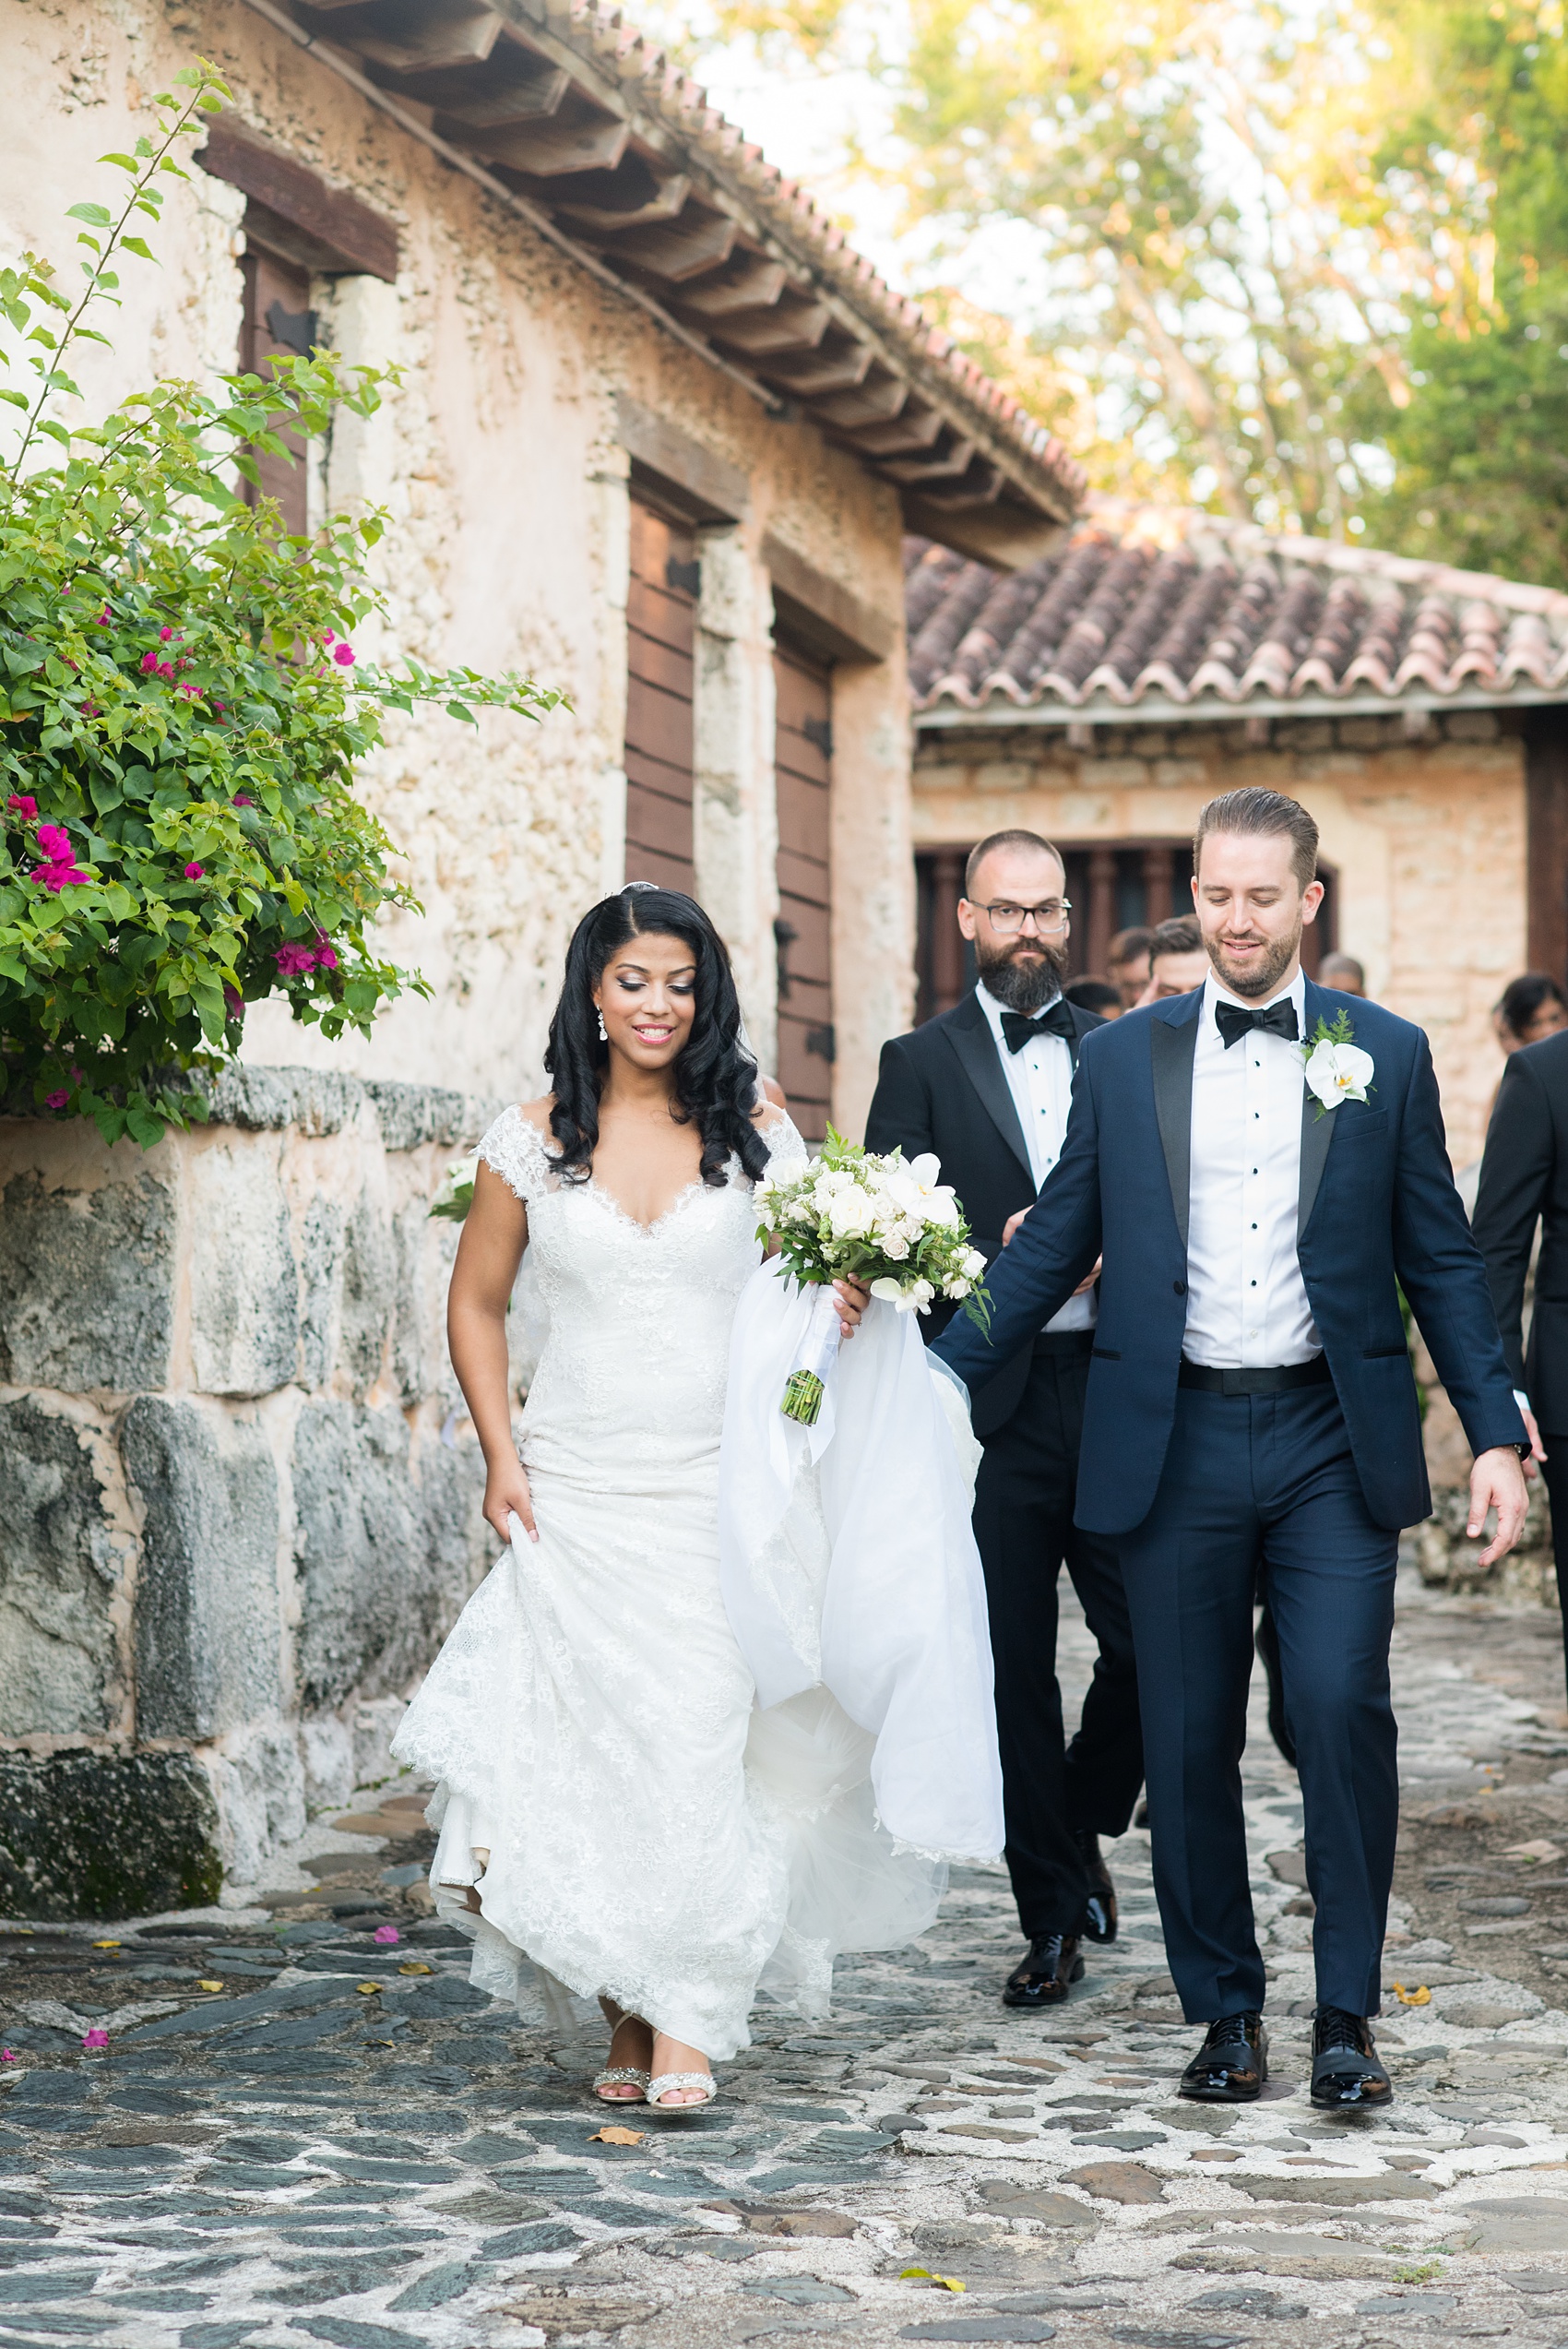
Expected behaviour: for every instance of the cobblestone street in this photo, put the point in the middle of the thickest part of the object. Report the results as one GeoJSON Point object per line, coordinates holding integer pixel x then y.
{"type": "Point", "coordinates": [300, 2132]}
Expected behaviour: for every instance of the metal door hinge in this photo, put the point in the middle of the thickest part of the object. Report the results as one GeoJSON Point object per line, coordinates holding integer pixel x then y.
{"type": "Point", "coordinates": [295, 329]}
{"type": "Point", "coordinates": [687, 576]}
{"type": "Point", "coordinates": [819, 734]}
{"type": "Point", "coordinates": [784, 936]}
{"type": "Point", "coordinates": [821, 1041]}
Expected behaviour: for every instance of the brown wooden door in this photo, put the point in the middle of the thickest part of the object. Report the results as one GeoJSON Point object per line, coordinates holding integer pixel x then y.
{"type": "Point", "coordinates": [277, 323]}
{"type": "Point", "coordinates": [802, 761]}
{"type": "Point", "coordinates": [662, 610]}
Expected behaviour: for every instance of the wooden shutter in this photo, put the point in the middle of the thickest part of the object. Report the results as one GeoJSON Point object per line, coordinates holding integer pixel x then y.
{"type": "Point", "coordinates": [278, 323]}
{"type": "Point", "coordinates": [802, 762]}
{"type": "Point", "coordinates": [661, 640]}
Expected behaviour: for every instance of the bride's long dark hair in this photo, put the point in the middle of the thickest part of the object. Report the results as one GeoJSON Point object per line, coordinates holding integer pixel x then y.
{"type": "Point", "coordinates": [716, 1078]}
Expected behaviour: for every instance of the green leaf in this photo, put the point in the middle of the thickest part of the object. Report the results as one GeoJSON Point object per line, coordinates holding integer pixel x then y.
{"type": "Point", "coordinates": [96, 215]}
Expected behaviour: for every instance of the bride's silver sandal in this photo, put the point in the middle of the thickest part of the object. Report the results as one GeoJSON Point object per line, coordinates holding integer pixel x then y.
{"type": "Point", "coordinates": [621, 2076]}
{"type": "Point", "coordinates": [663, 2082]}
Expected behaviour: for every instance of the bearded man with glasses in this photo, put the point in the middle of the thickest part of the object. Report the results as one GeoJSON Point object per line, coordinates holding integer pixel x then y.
{"type": "Point", "coordinates": [987, 1086]}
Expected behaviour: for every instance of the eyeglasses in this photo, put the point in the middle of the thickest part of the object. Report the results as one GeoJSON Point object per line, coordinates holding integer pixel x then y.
{"type": "Point", "coordinates": [1007, 920]}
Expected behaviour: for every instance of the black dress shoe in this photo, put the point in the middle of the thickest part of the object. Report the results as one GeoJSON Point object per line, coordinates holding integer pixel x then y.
{"type": "Point", "coordinates": [1266, 1642]}
{"type": "Point", "coordinates": [1100, 1909]}
{"type": "Point", "coordinates": [1047, 1975]}
{"type": "Point", "coordinates": [1232, 2065]}
{"type": "Point", "coordinates": [1346, 2075]}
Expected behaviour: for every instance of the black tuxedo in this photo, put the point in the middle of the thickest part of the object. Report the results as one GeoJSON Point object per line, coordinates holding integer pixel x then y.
{"type": "Point", "coordinates": [1524, 1181]}
{"type": "Point", "coordinates": [944, 1089]}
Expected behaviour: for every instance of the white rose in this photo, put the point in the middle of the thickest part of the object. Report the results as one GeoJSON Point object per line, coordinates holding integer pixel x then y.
{"type": "Point", "coordinates": [897, 1246]}
{"type": "Point", "coordinates": [973, 1263]}
{"type": "Point", "coordinates": [1339, 1072]}
{"type": "Point", "coordinates": [850, 1214]}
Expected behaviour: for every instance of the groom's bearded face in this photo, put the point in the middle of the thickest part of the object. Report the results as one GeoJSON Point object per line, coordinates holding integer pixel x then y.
{"type": "Point", "coordinates": [1252, 909]}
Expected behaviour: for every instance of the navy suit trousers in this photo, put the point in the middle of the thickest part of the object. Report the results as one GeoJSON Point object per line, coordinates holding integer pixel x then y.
{"type": "Point", "coordinates": [1252, 1481]}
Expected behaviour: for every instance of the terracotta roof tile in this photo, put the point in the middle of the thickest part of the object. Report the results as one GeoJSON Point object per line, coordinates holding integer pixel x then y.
{"type": "Point", "coordinates": [1179, 612]}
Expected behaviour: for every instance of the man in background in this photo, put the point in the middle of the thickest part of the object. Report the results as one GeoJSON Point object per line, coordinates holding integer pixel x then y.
{"type": "Point", "coordinates": [1126, 963]}
{"type": "Point", "coordinates": [986, 1087]}
{"type": "Point", "coordinates": [1177, 960]}
{"type": "Point", "coordinates": [1097, 996]}
{"type": "Point", "coordinates": [1343, 973]}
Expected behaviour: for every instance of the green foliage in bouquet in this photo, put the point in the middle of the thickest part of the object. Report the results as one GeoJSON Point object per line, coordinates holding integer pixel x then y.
{"type": "Point", "coordinates": [182, 710]}
{"type": "Point", "coordinates": [853, 1214]}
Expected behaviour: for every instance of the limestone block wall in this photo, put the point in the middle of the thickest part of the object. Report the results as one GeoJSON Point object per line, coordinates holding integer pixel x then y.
{"type": "Point", "coordinates": [238, 1498]}
{"type": "Point", "coordinates": [1427, 840]}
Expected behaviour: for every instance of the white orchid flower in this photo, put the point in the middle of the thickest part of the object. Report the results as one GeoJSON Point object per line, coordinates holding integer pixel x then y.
{"type": "Point", "coordinates": [1339, 1072]}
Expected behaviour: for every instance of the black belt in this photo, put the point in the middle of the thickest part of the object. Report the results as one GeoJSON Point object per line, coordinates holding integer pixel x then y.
{"type": "Point", "coordinates": [1067, 1342]}
{"type": "Point", "coordinates": [1209, 1381]}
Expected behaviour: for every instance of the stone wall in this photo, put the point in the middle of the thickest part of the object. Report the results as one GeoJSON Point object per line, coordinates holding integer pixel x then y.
{"type": "Point", "coordinates": [1426, 839]}
{"type": "Point", "coordinates": [238, 1498]}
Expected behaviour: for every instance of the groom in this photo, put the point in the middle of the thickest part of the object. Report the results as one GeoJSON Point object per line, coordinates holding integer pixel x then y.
{"type": "Point", "coordinates": [1251, 1400]}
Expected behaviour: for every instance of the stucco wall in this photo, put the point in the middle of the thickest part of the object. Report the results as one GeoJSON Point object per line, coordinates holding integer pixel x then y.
{"type": "Point", "coordinates": [499, 462]}
{"type": "Point", "coordinates": [1427, 841]}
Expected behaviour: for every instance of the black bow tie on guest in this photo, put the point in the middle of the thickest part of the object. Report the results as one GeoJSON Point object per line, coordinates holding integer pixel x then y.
{"type": "Point", "coordinates": [1280, 1020]}
{"type": "Point", "coordinates": [1057, 1019]}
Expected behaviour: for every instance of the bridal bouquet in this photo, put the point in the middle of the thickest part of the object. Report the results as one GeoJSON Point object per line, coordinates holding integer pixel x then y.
{"type": "Point", "coordinates": [852, 1215]}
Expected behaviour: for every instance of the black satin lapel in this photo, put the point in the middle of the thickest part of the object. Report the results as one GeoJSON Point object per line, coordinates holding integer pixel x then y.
{"type": "Point", "coordinates": [976, 1050]}
{"type": "Point", "coordinates": [1317, 1130]}
{"type": "Point", "coordinates": [1172, 1049]}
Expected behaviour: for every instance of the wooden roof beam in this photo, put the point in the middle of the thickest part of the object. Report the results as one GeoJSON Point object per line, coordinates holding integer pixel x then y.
{"type": "Point", "coordinates": [689, 248]}
{"type": "Point", "coordinates": [757, 286]}
{"type": "Point", "coordinates": [790, 326]}
{"type": "Point", "coordinates": [552, 150]}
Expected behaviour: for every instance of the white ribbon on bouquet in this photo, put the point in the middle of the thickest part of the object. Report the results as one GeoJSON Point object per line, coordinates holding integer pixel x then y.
{"type": "Point", "coordinates": [848, 1563]}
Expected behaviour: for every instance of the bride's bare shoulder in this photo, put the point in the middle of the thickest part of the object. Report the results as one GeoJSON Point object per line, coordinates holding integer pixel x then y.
{"type": "Point", "coordinates": [536, 1112]}
{"type": "Point", "coordinates": [771, 1099]}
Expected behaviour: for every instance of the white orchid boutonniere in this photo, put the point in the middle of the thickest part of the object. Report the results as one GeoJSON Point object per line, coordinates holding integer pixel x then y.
{"type": "Point", "coordinates": [1336, 1067]}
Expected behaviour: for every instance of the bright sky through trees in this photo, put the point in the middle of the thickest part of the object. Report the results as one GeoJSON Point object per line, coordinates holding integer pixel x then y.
{"type": "Point", "coordinates": [1304, 262]}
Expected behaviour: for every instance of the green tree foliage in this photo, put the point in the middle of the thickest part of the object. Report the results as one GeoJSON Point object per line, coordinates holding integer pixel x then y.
{"type": "Point", "coordinates": [182, 707]}
{"type": "Point", "coordinates": [1304, 262]}
{"type": "Point", "coordinates": [1478, 152]}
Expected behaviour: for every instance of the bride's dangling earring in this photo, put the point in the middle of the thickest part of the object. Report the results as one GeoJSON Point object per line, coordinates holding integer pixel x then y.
{"type": "Point", "coordinates": [603, 1031]}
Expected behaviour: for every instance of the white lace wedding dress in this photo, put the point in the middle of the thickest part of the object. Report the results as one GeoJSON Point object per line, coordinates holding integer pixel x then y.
{"type": "Point", "coordinates": [590, 1720]}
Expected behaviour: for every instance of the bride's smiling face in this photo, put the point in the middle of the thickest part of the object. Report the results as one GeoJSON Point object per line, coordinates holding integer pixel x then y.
{"type": "Point", "coordinates": [646, 996]}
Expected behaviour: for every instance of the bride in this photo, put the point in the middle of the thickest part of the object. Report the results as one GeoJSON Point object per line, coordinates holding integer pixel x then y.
{"type": "Point", "coordinates": [588, 1718]}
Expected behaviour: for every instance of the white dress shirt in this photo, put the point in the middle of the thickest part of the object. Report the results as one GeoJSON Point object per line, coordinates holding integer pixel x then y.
{"type": "Point", "coordinates": [1040, 1079]}
{"type": "Point", "coordinates": [1246, 1300]}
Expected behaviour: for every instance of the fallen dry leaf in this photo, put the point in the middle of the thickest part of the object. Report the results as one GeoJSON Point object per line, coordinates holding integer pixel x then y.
{"type": "Point", "coordinates": [1539, 1850]}
{"type": "Point", "coordinates": [929, 2275]}
{"type": "Point", "coordinates": [414, 1966]}
{"type": "Point", "coordinates": [209, 1985]}
{"type": "Point", "coordinates": [368, 1989]}
{"type": "Point", "coordinates": [617, 2137]}
{"type": "Point", "coordinates": [1419, 1996]}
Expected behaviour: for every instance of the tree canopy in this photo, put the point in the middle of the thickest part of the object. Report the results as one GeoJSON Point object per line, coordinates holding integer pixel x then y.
{"type": "Point", "coordinates": [1303, 263]}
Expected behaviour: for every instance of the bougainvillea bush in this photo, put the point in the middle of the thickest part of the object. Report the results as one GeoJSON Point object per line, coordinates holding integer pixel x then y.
{"type": "Point", "coordinates": [182, 707]}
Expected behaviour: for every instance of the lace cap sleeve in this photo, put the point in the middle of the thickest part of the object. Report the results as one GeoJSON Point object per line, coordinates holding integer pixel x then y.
{"type": "Point", "coordinates": [786, 1153]}
{"type": "Point", "coordinates": [514, 1147]}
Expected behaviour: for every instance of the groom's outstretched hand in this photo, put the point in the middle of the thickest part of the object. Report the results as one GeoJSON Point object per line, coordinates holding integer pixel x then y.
{"type": "Point", "coordinates": [1497, 1481]}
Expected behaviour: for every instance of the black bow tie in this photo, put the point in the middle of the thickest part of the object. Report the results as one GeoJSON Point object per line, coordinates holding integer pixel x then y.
{"type": "Point", "coordinates": [1057, 1019]}
{"type": "Point", "coordinates": [1234, 1023]}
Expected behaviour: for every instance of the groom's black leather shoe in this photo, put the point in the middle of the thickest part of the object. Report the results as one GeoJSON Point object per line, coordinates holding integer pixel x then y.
{"type": "Point", "coordinates": [1100, 1909]}
{"type": "Point", "coordinates": [1047, 1975]}
{"type": "Point", "coordinates": [1346, 2075]}
{"type": "Point", "coordinates": [1232, 2065]}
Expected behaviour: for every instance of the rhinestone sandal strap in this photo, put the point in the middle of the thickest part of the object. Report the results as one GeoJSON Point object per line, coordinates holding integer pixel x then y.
{"type": "Point", "coordinates": [621, 2076]}
{"type": "Point", "coordinates": [663, 2081]}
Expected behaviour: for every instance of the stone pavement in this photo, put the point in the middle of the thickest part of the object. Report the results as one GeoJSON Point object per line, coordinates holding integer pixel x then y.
{"type": "Point", "coordinates": [298, 2133]}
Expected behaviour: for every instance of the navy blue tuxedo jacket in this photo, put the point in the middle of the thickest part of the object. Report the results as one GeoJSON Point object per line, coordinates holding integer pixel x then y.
{"type": "Point", "coordinates": [1378, 1212]}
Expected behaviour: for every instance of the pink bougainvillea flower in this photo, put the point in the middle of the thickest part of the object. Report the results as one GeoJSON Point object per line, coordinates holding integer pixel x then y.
{"type": "Point", "coordinates": [241, 799]}
{"type": "Point", "coordinates": [55, 843]}
{"type": "Point", "coordinates": [95, 2039]}
{"type": "Point", "coordinates": [22, 803]}
{"type": "Point", "coordinates": [326, 956]}
{"type": "Point", "coordinates": [344, 655]}
{"type": "Point", "coordinates": [328, 636]}
{"type": "Point", "coordinates": [55, 1101]}
{"type": "Point", "coordinates": [385, 1933]}
{"type": "Point", "coordinates": [55, 877]}
{"type": "Point", "coordinates": [233, 1003]}
{"type": "Point", "coordinates": [91, 710]}
{"type": "Point", "coordinates": [148, 663]}
{"type": "Point", "coordinates": [194, 871]}
{"type": "Point", "coordinates": [293, 962]}
{"type": "Point", "coordinates": [164, 634]}
{"type": "Point", "coordinates": [8, 2055]}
